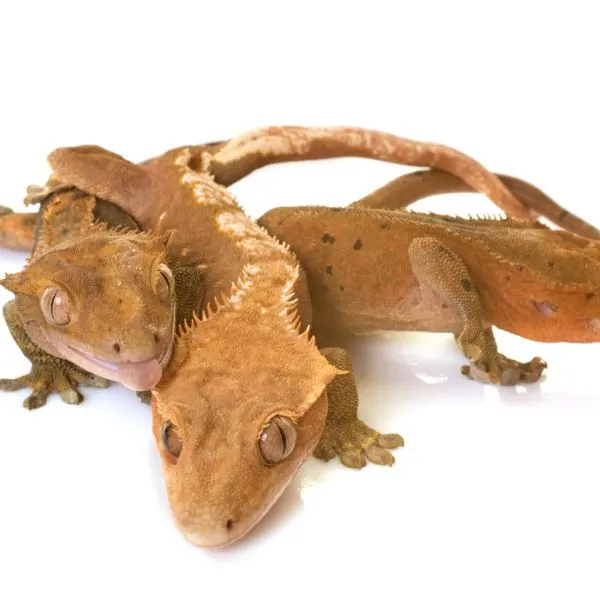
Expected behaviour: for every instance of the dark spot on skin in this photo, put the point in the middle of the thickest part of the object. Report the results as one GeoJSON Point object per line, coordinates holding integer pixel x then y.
{"type": "Point", "coordinates": [117, 347]}
{"type": "Point", "coordinates": [444, 305]}
{"type": "Point", "coordinates": [357, 245]}
{"type": "Point", "coordinates": [229, 525]}
{"type": "Point", "coordinates": [156, 338]}
{"type": "Point", "coordinates": [520, 268]}
{"type": "Point", "coordinates": [120, 300]}
{"type": "Point", "coordinates": [280, 221]}
{"type": "Point", "coordinates": [329, 270]}
{"type": "Point", "coordinates": [342, 288]}
{"type": "Point", "coordinates": [589, 295]}
{"type": "Point", "coordinates": [467, 285]}
{"type": "Point", "coordinates": [562, 215]}
{"type": "Point", "coordinates": [507, 278]}
{"type": "Point", "coordinates": [327, 239]}
{"type": "Point", "coordinates": [550, 264]}
{"type": "Point", "coordinates": [384, 226]}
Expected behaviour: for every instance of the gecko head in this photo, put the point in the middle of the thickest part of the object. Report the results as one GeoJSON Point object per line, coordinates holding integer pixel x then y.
{"type": "Point", "coordinates": [240, 407]}
{"type": "Point", "coordinates": [105, 302]}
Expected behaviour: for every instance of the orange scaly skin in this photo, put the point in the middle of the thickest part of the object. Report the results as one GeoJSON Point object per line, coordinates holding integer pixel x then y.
{"type": "Point", "coordinates": [274, 407]}
{"type": "Point", "coordinates": [119, 355]}
{"type": "Point", "coordinates": [63, 289]}
{"type": "Point", "coordinates": [271, 406]}
{"type": "Point", "coordinates": [446, 274]}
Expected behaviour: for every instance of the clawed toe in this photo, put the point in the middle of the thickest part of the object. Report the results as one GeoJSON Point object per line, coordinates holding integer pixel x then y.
{"type": "Point", "coordinates": [43, 382]}
{"type": "Point", "coordinates": [505, 371]}
{"type": "Point", "coordinates": [353, 458]}
{"type": "Point", "coordinates": [355, 444]}
{"type": "Point", "coordinates": [35, 400]}
{"type": "Point", "coordinates": [71, 396]}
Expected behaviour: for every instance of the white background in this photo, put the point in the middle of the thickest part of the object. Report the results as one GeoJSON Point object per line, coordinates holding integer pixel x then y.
{"type": "Point", "coordinates": [496, 493]}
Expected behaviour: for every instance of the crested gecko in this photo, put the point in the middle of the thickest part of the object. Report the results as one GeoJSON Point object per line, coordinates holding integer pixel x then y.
{"type": "Point", "coordinates": [282, 409]}
{"type": "Point", "coordinates": [79, 347]}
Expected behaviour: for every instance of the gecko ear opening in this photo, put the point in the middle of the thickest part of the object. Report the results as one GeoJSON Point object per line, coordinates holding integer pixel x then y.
{"type": "Point", "coordinates": [98, 172]}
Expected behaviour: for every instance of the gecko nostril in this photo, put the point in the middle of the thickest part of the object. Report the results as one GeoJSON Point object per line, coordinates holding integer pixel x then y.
{"type": "Point", "coordinates": [229, 524]}
{"type": "Point", "coordinates": [117, 347]}
{"type": "Point", "coordinates": [156, 338]}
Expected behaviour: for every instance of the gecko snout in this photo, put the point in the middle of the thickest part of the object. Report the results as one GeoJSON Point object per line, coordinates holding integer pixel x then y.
{"type": "Point", "coordinates": [217, 536]}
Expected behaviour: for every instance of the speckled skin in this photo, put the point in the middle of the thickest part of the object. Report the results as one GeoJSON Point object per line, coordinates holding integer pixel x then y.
{"type": "Point", "coordinates": [217, 386]}
{"type": "Point", "coordinates": [372, 270]}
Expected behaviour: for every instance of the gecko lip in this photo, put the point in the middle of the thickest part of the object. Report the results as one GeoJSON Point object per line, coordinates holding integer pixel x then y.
{"type": "Point", "coordinates": [222, 537]}
{"type": "Point", "coordinates": [137, 376]}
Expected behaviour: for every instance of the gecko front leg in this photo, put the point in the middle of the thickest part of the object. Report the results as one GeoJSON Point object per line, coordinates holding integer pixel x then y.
{"type": "Point", "coordinates": [439, 269]}
{"type": "Point", "coordinates": [17, 230]}
{"type": "Point", "coordinates": [48, 373]}
{"type": "Point", "coordinates": [345, 434]}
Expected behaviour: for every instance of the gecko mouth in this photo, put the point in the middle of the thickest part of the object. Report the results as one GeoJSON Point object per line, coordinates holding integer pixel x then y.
{"type": "Point", "coordinates": [222, 536]}
{"type": "Point", "coordinates": [137, 376]}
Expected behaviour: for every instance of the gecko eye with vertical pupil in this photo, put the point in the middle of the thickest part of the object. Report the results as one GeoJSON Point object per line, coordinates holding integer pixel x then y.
{"type": "Point", "coordinates": [165, 283]}
{"type": "Point", "coordinates": [170, 439]}
{"type": "Point", "coordinates": [277, 440]}
{"type": "Point", "coordinates": [56, 306]}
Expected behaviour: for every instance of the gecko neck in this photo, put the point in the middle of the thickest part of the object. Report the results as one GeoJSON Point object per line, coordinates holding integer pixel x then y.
{"type": "Point", "coordinates": [267, 270]}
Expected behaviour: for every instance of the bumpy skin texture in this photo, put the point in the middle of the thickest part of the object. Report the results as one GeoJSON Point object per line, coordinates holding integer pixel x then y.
{"type": "Point", "coordinates": [81, 278]}
{"type": "Point", "coordinates": [268, 303]}
{"type": "Point", "coordinates": [213, 388]}
{"type": "Point", "coordinates": [446, 274]}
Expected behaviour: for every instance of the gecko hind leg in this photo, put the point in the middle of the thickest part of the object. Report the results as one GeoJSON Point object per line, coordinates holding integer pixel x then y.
{"type": "Point", "coordinates": [345, 435]}
{"type": "Point", "coordinates": [48, 373]}
{"type": "Point", "coordinates": [439, 269]}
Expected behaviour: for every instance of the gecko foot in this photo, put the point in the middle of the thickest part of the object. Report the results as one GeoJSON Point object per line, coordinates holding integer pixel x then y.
{"type": "Point", "coordinates": [43, 381]}
{"type": "Point", "coordinates": [504, 371]}
{"type": "Point", "coordinates": [355, 443]}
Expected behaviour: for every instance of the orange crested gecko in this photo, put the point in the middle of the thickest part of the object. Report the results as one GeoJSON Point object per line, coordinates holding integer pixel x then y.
{"type": "Point", "coordinates": [272, 413]}
{"type": "Point", "coordinates": [62, 308]}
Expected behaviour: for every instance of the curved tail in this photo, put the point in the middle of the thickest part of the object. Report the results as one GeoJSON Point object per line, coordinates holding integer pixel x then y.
{"type": "Point", "coordinates": [410, 188]}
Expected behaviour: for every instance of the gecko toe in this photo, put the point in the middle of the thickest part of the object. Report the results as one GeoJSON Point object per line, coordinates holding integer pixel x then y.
{"type": "Point", "coordinates": [353, 458]}
{"type": "Point", "coordinates": [324, 452]}
{"type": "Point", "coordinates": [390, 440]}
{"type": "Point", "coordinates": [71, 396]}
{"type": "Point", "coordinates": [12, 385]}
{"type": "Point", "coordinates": [35, 400]}
{"type": "Point", "coordinates": [379, 456]}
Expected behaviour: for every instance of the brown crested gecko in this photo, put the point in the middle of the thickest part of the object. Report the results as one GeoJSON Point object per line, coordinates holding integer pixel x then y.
{"type": "Point", "coordinates": [77, 348]}
{"type": "Point", "coordinates": [233, 431]}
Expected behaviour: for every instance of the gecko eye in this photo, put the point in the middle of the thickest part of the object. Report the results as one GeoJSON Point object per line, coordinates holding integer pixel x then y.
{"type": "Point", "coordinates": [165, 283]}
{"type": "Point", "coordinates": [170, 439]}
{"type": "Point", "coordinates": [277, 440]}
{"type": "Point", "coordinates": [56, 306]}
